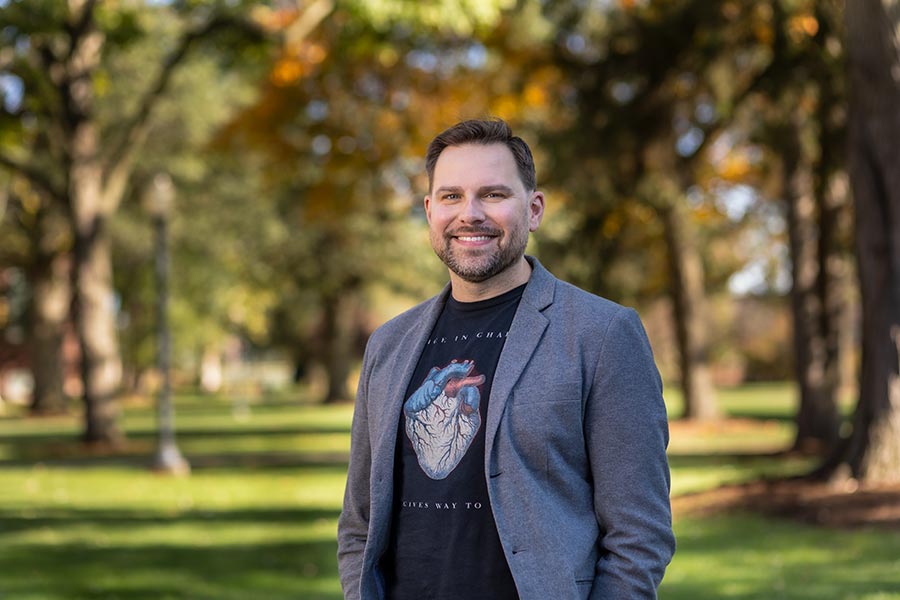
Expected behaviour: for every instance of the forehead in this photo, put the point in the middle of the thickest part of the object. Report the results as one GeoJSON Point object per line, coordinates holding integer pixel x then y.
{"type": "Point", "coordinates": [475, 164]}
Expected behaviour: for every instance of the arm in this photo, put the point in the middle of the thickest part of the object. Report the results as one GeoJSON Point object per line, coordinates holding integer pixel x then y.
{"type": "Point", "coordinates": [353, 524]}
{"type": "Point", "coordinates": [626, 433]}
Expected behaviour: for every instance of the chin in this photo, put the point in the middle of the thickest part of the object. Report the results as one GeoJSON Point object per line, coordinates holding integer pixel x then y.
{"type": "Point", "coordinates": [477, 273]}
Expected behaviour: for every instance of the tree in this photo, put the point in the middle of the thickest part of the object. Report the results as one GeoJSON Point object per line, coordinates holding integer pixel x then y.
{"type": "Point", "coordinates": [49, 277]}
{"type": "Point", "coordinates": [654, 85]}
{"type": "Point", "coordinates": [65, 153]}
{"type": "Point", "coordinates": [803, 99]}
{"type": "Point", "coordinates": [340, 126]}
{"type": "Point", "coordinates": [872, 453]}
{"type": "Point", "coordinates": [36, 238]}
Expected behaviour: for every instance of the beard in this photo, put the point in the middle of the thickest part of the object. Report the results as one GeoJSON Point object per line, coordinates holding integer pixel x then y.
{"type": "Point", "coordinates": [480, 264]}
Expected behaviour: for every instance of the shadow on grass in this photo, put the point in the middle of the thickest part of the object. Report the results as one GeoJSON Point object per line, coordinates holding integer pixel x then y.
{"type": "Point", "coordinates": [753, 415]}
{"type": "Point", "coordinates": [199, 462]}
{"type": "Point", "coordinates": [136, 555]}
{"type": "Point", "coordinates": [709, 459]}
{"type": "Point", "coordinates": [66, 449]}
{"type": "Point", "coordinates": [106, 520]}
{"type": "Point", "coordinates": [145, 571]}
{"type": "Point", "coordinates": [40, 437]}
{"type": "Point", "coordinates": [218, 405]}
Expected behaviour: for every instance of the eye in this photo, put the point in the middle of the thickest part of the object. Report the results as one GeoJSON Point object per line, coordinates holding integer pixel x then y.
{"type": "Point", "coordinates": [451, 196]}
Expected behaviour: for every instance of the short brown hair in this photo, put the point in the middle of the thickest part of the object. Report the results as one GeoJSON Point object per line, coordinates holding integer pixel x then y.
{"type": "Point", "coordinates": [483, 132]}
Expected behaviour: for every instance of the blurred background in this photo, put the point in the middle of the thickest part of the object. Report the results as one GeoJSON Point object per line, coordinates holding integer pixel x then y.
{"type": "Point", "coordinates": [207, 206]}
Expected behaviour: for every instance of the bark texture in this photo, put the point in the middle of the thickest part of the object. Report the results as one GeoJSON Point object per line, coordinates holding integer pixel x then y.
{"type": "Point", "coordinates": [688, 293]}
{"type": "Point", "coordinates": [95, 322]}
{"type": "Point", "coordinates": [873, 27]}
{"type": "Point", "coordinates": [51, 297]}
{"type": "Point", "coordinates": [337, 344]}
{"type": "Point", "coordinates": [811, 242]}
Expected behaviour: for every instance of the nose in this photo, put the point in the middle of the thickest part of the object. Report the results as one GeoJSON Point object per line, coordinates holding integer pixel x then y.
{"type": "Point", "coordinates": [472, 211]}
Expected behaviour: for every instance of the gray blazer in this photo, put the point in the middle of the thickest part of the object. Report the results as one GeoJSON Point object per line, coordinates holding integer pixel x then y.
{"type": "Point", "coordinates": [575, 448]}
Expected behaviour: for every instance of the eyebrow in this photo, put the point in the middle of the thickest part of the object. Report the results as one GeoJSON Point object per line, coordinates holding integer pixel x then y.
{"type": "Point", "coordinates": [455, 189]}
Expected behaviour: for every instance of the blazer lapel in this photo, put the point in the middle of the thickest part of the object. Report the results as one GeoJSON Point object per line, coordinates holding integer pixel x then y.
{"type": "Point", "coordinates": [524, 335]}
{"type": "Point", "coordinates": [402, 363]}
{"type": "Point", "coordinates": [409, 349]}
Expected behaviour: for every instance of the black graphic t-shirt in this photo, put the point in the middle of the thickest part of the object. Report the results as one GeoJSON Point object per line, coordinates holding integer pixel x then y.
{"type": "Point", "coordinates": [444, 543]}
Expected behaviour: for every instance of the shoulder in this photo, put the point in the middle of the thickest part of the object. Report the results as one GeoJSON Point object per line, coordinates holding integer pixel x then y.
{"type": "Point", "coordinates": [571, 302]}
{"type": "Point", "coordinates": [600, 325]}
{"type": "Point", "coordinates": [561, 301]}
{"type": "Point", "coordinates": [576, 297]}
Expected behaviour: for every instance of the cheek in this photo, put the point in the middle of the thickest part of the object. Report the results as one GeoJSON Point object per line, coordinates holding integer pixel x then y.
{"type": "Point", "coordinates": [439, 219]}
{"type": "Point", "coordinates": [436, 225]}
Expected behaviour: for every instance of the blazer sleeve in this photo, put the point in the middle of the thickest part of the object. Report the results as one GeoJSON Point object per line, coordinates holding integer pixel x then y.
{"type": "Point", "coordinates": [626, 435]}
{"type": "Point", "coordinates": [353, 523]}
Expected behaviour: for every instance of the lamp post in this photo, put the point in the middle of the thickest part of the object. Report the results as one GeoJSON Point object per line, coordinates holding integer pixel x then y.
{"type": "Point", "coordinates": [158, 201]}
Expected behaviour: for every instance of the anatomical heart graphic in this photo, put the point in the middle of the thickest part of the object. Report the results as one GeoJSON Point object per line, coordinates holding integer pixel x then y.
{"type": "Point", "coordinates": [442, 417]}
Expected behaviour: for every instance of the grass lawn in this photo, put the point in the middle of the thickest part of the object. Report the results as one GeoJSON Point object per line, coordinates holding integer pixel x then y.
{"type": "Point", "coordinates": [257, 517]}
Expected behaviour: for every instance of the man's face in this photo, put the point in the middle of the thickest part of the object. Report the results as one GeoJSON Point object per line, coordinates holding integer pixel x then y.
{"type": "Point", "coordinates": [479, 212]}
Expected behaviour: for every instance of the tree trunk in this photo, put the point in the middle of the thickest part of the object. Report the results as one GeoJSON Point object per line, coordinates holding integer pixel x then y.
{"type": "Point", "coordinates": [337, 345]}
{"type": "Point", "coordinates": [95, 320]}
{"type": "Point", "coordinates": [815, 363]}
{"type": "Point", "coordinates": [833, 297]}
{"type": "Point", "coordinates": [873, 26]}
{"type": "Point", "coordinates": [51, 299]}
{"type": "Point", "coordinates": [689, 306]}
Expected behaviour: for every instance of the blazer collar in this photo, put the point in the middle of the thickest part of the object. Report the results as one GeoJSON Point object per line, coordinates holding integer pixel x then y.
{"type": "Point", "coordinates": [541, 286]}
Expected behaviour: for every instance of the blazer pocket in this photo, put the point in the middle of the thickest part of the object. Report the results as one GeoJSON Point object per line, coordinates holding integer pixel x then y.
{"type": "Point", "coordinates": [545, 432]}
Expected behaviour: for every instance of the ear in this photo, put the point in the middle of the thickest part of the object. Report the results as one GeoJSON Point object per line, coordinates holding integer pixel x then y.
{"type": "Point", "coordinates": [428, 209]}
{"type": "Point", "coordinates": [535, 210]}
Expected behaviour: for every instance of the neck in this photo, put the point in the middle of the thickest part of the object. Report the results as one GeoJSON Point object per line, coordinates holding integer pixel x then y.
{"type": "Point", "coordinates": [511, 277]}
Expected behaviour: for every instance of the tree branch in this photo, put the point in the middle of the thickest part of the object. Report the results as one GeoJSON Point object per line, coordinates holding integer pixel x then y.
{"type": "Point", "coordinates": [33, 174]}
{"type": "Point", "coordinates": [83, 21]}
{"type": "Point", "coordinates": [119, 161]}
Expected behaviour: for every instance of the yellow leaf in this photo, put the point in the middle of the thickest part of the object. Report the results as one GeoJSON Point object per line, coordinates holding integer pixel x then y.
{"type": "Point", "coordinates": [287, 70]}
{"type": "Point", "coordinates": [802, 26]}
{"type": "Point", "coordinates": [735, 167]}
{"type": "Point", "coordinates": [535, 96]}
{"type": "Point", "coordinates": [612, 225]}
{"type": "Point", "coordinates": [505, 107]}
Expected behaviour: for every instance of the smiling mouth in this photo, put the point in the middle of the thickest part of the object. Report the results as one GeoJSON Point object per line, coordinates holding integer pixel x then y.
{"type": "Point", "coordinates": [474, 238]}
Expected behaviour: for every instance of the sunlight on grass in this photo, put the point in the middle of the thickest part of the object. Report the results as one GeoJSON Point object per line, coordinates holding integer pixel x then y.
{"type": "Point", "coordinates": [692, 476]}
{"type": "Point", "coordinates": [217, 414]}
{"type": "Point", "coordinates": [28, 489]}
{"type": "Point", "coordinates": [759, 400]}
{"type": "Point", "coordinates": [748, 557]}
{"type": "Point", "coordinates": [250, 534]}
{"type": "Point", "coordinates": [747, 437]}
{"type": "Point", "coordinates": [258, 516]}
{"type": "Point", "coordinates": [305, 443]}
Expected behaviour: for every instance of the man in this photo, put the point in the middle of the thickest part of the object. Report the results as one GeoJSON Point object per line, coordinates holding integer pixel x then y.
{"type": "Point", "coordinates": [509, 434]}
